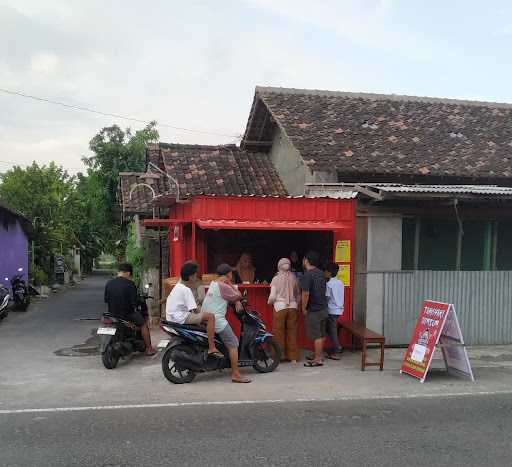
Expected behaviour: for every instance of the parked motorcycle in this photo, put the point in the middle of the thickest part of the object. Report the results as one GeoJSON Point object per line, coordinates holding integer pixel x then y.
{"type": "Point", "coordinates": [121, 338]}
{"type": "Point", "coordinates": [20, 293]}
{"type": "Point", "coordinates": [4, 301]}
{"type": "Point", "coordinates": [186, 352]}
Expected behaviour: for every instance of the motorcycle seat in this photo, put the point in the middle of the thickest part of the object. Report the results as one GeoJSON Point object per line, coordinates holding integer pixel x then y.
{"type": "Point", "coordinates": [189, 327]}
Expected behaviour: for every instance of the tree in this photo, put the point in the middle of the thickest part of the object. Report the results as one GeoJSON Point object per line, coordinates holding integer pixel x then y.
{"type": "Point", "coordinates": [43, 194]}
{"type": "Point", "coordinates": [79, 211]}
{"type": "Point", "coordinates": [116, 151]}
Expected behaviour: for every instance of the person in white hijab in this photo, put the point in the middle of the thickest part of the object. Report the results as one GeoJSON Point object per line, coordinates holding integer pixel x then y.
{"type": "Point", "coordinates": [285, 297]}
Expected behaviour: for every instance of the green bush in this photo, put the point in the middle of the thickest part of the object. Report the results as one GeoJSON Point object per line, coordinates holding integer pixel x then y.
{"type": "Point", "coordinates": [135, 254]}
{"type": "Point", "coordinates": [39, 276]}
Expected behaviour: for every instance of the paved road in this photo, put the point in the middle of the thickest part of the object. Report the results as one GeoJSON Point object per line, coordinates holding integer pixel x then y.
{"type": "Point", "coordinates": [469, 431]}
{"type": "Point", "coordinates": [42, 369]}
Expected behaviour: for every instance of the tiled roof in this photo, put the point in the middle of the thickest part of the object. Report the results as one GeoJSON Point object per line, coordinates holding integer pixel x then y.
{"type": "Point", "coordinates": [217, 170]}
{"type": "Point", "coordinates": [363, 134]}
{"type": "Point", "coordinates": [137, 190]}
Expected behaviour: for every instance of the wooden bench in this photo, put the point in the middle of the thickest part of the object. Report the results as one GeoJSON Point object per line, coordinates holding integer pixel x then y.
{"type": "Point", "coordinates": [365, 336]}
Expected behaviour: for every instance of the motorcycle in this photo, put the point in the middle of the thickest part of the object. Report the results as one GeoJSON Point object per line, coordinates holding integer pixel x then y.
{"type": "Point", "coordinates": [121, 338]}
{"type": "Point", "coordinates": [186, 353]}
{"type": "Point", "coordinates": [20, 293]}
{"type": "Point", "coordinates": [4, 301]}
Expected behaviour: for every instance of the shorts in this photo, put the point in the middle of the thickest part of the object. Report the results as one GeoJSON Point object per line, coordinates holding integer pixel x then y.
{"type": "Point", "coordinates": [194, 318]}
{"type": "Point", "coordinates": [316, 322]}
{"type": "Point", "coordinates": [137, 318]}
{"type": "Point", "coordinates": [228, 337]}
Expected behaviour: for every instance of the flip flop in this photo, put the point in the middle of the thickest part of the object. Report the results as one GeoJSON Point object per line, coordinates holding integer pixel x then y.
{"type": "Point", "coordinates": [310, 357]}
{"type": "Point", "coordinates": [152, 353]}
{"type": "Point", "coordinates": [333, 356]}
{"type": "Point", "coordinates": [241, 381]}
{"type": "Point", "coordinates": [313, 364]}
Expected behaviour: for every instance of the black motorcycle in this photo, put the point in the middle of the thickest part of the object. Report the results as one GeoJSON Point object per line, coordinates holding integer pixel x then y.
{"type": "Point", "coordinates": [20, 293]}
{"type": "Point", "coordinates": [5, 297]}
{"type": "Point", "coordinates": [187, 351]}
{"type": "Point", "coordinates": [121, 338]}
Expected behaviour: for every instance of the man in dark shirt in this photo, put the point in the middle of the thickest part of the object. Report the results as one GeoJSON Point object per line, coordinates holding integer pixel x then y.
{"type": "Point", "coordinates": [314, 305]}
{"type": "Point", "coordinates": [121, 296]}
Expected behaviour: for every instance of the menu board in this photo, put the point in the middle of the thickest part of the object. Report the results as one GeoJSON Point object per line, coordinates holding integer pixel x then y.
{"type": "Point", "coordinates": [343, 253]}
{"type": "Point", "coordinates": [344, 274]}
{"type": "Point", "coordinates": [437, 325]}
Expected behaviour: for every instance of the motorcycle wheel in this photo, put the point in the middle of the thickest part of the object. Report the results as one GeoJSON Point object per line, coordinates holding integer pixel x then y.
{"type": "Point", "coordinates": [268, 356]}
{"type": "Point", "coordinates": [22, 305]}
{"type": "Point", "coordinates": [171, 372]}
{"type": "Point", "coordinates": [110, 357]}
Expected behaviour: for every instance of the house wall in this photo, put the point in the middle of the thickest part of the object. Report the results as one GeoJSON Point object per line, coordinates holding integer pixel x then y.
{"type": "Point", "coordinates": [383, 254]}
{"type": "Point", "coordinates": [14, 250]}
{"type": "Point", "coordinates": [289, 164]}
{"type": "Point", "coordinates": [482, 300]}
{"type": "Point", "coordinates": [360, 265]}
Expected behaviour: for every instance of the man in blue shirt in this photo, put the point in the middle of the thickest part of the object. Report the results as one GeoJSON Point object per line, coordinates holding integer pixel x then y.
{"type": "Point", "coordinates": [335, 293]}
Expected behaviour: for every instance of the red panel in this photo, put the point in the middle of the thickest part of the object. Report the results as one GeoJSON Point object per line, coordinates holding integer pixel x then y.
{"type": "Point", "coordinates": [263, 213]}
{"type": "Point", "coordinates": [271, 225]}
{"type": "Point", "coordinates": [272, 209]}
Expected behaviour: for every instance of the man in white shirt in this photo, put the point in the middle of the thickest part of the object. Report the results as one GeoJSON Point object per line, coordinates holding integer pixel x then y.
{"type": "Point", "coordinates": [181, 306]}
{"type": "Point", "coordinates": [335, 293]}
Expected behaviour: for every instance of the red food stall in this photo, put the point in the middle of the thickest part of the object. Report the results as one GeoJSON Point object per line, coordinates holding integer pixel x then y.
{"type": "Point", "coordinates": [217, 229]}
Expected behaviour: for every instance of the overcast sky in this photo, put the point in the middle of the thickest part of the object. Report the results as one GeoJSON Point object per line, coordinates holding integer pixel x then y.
{"type": "Point", "coordinates": [195, 64]}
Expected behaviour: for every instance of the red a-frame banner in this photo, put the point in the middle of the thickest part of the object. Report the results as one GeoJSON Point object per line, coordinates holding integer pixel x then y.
{"type": "Point", "coordinates": [437, 325]}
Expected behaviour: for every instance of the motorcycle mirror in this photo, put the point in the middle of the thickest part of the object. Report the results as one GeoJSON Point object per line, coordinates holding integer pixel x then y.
{"type": "Point", "coordinates": [20, 269]}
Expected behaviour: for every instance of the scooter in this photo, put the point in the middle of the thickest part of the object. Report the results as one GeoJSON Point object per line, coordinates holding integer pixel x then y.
{"type": "Point", "coordinates": [121, 338]}
{"type": "Point", "coordinates": [186, 353]}
{"type": "Point", "coordinates": [20, 293]}
{"type": "Point", "coordinates": [4, 301]}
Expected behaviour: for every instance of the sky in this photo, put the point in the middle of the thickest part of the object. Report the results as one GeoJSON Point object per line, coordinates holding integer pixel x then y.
{"type": "Point", "coordinates": [195, 64]}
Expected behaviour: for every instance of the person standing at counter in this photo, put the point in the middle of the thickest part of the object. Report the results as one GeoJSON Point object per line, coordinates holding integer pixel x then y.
{"type": "Point", "coordinates": [335, 292]}
{"type": "Point", "coordinates": [296, 266]}
{"type": "Point", "coordinates": [220, 293]}
{"type": "Point", "coordinates": [285, 297]}
{"type": "Point", "coordinates": [245, 272]}
{"type": "Point", "coordinates": [314, 305]}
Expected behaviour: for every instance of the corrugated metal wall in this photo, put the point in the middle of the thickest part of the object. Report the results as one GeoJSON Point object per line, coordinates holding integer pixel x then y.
{"type": "Point", "coordinates": [482, 299]}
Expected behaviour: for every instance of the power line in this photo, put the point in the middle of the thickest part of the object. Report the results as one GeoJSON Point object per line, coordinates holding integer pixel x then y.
{"type": "Point", "coordinates": [107, 114]}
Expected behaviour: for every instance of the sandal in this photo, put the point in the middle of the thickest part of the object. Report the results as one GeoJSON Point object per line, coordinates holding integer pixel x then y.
{"type": "Point", "coordinates": [312, 364]}
{"type": "Point", "coordinates": [241, 380]}
{"type": "Point", "coordinates": [151, 353]}
{"type": "Point", "coordinates": [310, 357]}
{"type": "Point", "coordinates": [332, 356]}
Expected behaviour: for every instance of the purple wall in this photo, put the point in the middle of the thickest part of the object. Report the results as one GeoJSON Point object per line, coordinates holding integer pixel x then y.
{"type": "Point", "coordinates": [13, 251]}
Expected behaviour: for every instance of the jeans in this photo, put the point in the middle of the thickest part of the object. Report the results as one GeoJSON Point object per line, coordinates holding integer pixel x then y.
{"type": "Point", "coordinates": [332, 332]}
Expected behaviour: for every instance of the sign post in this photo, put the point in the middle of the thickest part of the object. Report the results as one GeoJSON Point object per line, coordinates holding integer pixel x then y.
{"type": "Point", "coordinates": [437, 325]}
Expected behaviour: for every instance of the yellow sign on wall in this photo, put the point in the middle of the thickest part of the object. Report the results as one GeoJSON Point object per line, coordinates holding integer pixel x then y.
{"type": "Point", "coordinates": [343, 251]}
{"type": "Point", "coordinates": [344, 274]}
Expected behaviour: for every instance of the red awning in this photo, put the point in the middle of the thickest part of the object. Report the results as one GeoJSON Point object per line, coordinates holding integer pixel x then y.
{"type": "Point", "coordinates": [271, 225]}
{"type": "Point", "coordinates": [164, 222]}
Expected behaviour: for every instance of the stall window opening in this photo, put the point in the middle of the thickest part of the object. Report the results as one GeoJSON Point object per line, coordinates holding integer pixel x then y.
{"type": "Point", "coordinates": [265, 247]}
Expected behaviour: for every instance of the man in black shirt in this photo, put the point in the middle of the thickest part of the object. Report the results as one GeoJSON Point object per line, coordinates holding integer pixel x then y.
{"type": "Point", "coordinates": [121, 296]}
{"type": "Point", "coordinates": [314, 305]}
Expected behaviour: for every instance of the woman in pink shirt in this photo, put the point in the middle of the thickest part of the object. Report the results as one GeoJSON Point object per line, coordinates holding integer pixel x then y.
{"type": "Point", "coordinates": [285, 296]}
